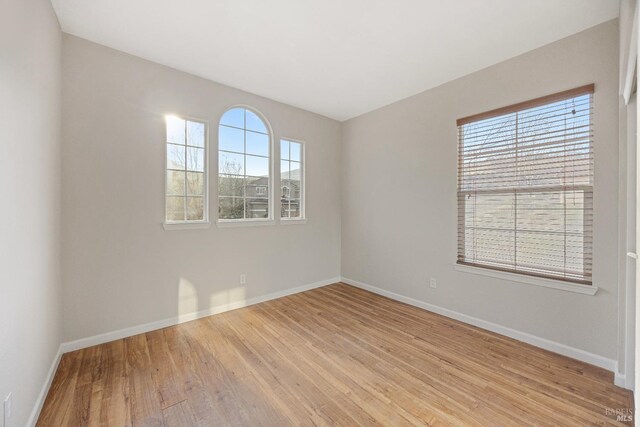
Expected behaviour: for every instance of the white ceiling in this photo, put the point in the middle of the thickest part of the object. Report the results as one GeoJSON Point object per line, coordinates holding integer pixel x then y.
{"type": "Point", "coordinates": [338, 58]}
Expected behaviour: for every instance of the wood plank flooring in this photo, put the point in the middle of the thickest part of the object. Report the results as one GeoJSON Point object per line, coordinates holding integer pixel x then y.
{"type": "Point", "coordinates": [336, 355]}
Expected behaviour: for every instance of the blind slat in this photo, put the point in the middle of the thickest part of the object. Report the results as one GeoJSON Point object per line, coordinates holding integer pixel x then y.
{"type": "Point", "coordinates": [550, 109]}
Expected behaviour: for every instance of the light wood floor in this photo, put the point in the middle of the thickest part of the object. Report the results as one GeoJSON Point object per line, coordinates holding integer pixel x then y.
{"type": "Point", "coordinates": [336, 355]}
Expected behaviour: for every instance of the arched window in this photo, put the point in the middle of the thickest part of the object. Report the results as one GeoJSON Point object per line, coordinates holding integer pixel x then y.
{"type": "Point", "coordinates": [244, 166]}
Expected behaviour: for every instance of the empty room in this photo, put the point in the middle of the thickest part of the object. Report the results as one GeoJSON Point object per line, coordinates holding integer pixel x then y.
{"type": "Point", "coordinates": [305, 212]}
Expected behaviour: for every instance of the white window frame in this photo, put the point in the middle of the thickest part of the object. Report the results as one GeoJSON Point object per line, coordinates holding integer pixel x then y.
{"type": "Point", "coordinates": [303, 182]}
{"type": "Point", "coordinates": [519, 277]}
{"type": "Point", "coordinates": [188, 224]}
{"type": "Point", "coordinates": [247, 222]}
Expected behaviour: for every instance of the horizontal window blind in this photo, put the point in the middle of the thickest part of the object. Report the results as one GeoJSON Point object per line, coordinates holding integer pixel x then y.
{"type": "Point", "coordinates": [525, 187]}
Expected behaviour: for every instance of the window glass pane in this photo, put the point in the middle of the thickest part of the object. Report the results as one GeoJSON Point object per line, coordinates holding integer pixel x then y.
{"type": "Point", "coordinates": [295, 172]}
{"type": "Point", "coordinates": [195, 134]}
{"type": "Point", "coordinates": [284, 169]}
{"type": "Point", "coordinates": [257, 187]}
{"type": "Point", "coordinates": [257, 143]}
{"type": "Point", "coordinates": [257, 208]}
{"type": "Point", "coordinates": [175, 209]}
{"type": "Point", "coordinates": [294, 208]}
{"type": "Point", "coordinates": [195, 183]}
{"type": "Point", "coordinates": [233, 117]}
{"type": "Point", "coordinates": [195, 159]}
{"type": "Point", "coordinates": [495, 247]}
{"type": "Point", "coordinates": [295, 192]}
{"type": "Point", "coordinates": [195, 208]}
{"type": "Point", "coordinates": [257, 166]}
{"type": "Point", "coordinates": [284, 149]}
{"type": "Point", "coordinates": [175, 130]}
{"type": "Point", "coordinates": [284, 209]}
{"type": "Point", "coordinates": [295, 151]}
{"type": "Point", "coordinates": [540, 212]}
{"type": "Point", "coordinates": [285, 191]}
{"type": "Point", "coordinates": [291, 181]}
{"type": "Point", "coordinates": [577, 255]}
{"type": "Point", "coordinates": [540, 249]}
{"type": "Point", "coordinates": [175, 183]}
{"type": "Point", "coordinates": [231, 139]}
{"type": "Point", "coordinates": [491, 211]}
{"type": "Point", "coordinates": [261, 191]}
{"type": "Point", "coordinates": [577, 218]}
{"type": "Point", "coordinates": [230, 163]}
{"type": "Point", "coordinates": [231, 185]}
{"type": "Point", "coordinates": [230, 208]}
{"type": "Point", "coordinates": [175, 156]}
{"type": "Point", "coordinates": [255, 123]}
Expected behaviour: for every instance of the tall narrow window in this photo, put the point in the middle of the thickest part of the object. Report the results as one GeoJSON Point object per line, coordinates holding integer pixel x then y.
{"type": "Point", "coordinates": [292, 179]}
{"type": "Point", "coordinates": [525, 187]}
{"type": "Point", "coordinates": [186, 180]}
{"type": "Point", "coordinates": [244, 167]}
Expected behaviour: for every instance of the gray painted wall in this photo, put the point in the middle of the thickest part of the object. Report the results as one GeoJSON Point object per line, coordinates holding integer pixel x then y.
{"type": "Point", "coordinates": [123, 269]}
{"type": "Point", "coordinates": [399, 194]}
{"type": "Point", "coordinates": [30, 305]}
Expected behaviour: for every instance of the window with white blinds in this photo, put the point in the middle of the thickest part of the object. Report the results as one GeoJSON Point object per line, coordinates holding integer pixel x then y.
{"type": "Point", "coordinates": [525, 187]}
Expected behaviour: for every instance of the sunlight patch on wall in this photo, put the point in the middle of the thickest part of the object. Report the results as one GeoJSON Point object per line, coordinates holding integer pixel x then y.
{"type": "Point", "coordinates": [235, 296]}
{"type": "Point", "coordinates": [187, 297]}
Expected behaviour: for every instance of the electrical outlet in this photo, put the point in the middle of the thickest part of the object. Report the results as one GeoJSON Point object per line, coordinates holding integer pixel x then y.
{"type": "Point", "coordinates": [432, 283]}
{"type": "Point", "coordinates": [7, 409]}
{"type": "Point", "coordinates": [243, 279]}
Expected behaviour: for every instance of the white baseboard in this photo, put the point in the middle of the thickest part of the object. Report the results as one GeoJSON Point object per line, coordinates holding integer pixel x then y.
{"type": "Point", "coordinates": [620, 380]}
{"type": "Point", "coordinates": [152, 326]}
{"type": "Point", "coordinates": [624, 381]}
{"type": "Point", "coordinates": [35, 413]}
{"type": "Point", "coordinates": [556, 347]}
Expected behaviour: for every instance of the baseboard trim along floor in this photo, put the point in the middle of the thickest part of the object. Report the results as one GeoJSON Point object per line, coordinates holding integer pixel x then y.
{"type": "Point", "coordinates": [556, 347]}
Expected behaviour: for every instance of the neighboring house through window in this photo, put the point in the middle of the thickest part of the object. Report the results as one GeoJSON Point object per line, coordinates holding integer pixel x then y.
{"type": "Point", "coordinates": [286, 193]}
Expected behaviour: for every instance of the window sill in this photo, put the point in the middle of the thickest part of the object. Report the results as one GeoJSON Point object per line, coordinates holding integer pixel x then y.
{"type": "Point", "coordinates": [537, 281]}
{"type": "Point", "coordinates": [186, 225]}
{"type": "Point", "coordinates": [230, 223]}
{"type": "Point", "coordinates": [293, 221]}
